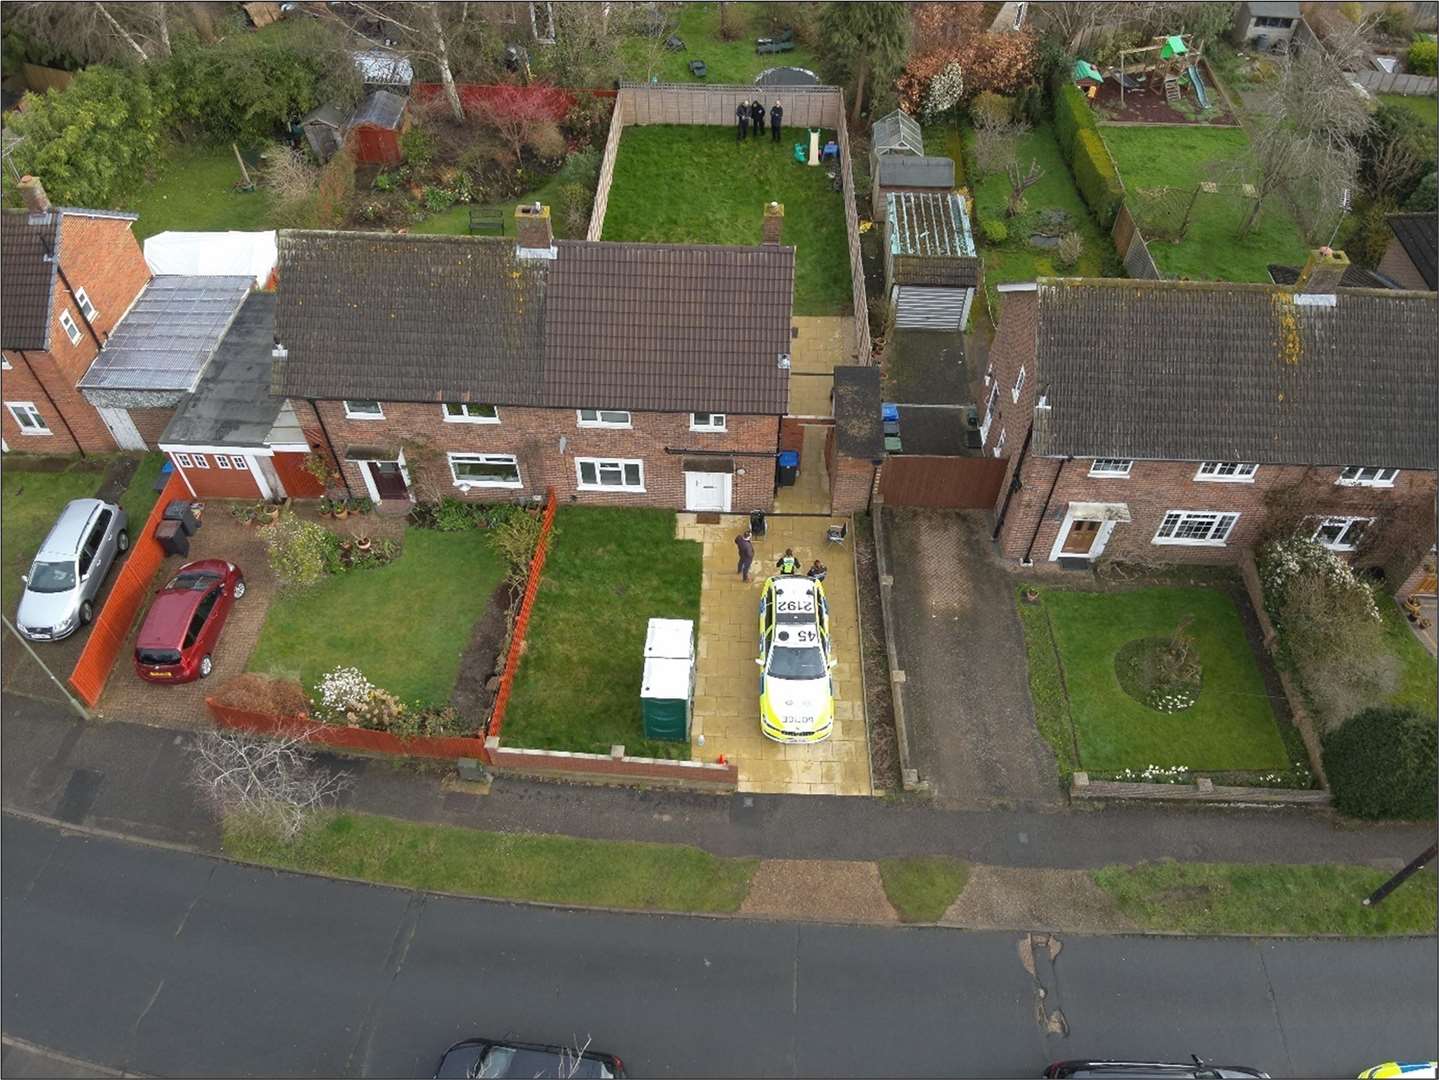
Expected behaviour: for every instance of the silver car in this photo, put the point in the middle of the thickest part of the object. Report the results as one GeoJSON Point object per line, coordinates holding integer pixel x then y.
{"type": "Point", "coordinates": [70, 569]}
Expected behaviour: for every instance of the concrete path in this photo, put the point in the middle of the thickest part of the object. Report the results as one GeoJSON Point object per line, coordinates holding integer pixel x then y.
{"type": "Point", "coordinates": [823, 342]}
{"type": "Point", "coordinates": [173, 964]}
{"type": "Point", "coordinates": [810, 494]}
{"type": "Point", "coordinates": [966, 691]}
{"type": "Point", "coordinates": [727, 680]}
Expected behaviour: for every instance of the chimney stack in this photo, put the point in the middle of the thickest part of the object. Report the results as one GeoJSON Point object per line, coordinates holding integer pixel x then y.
{"type": "Point", "coordinates": [532, 227]}
{"type": "Point", "coordinates": [33, 192]}
{"type": "Point", "coordinates": [773, 225]}
{"type": "Point", "coordinates": [1322, 272]}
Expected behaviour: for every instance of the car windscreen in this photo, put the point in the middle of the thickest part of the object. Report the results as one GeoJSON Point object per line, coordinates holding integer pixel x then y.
{"type": "Point", "coordinates": [157, 656]}
{"type": "Point", "coordinates": [51, 577]}
{"type": "Point", "coordinates": [505, 1061]}
{"type": "Point", "coordinates": [797, 662]}
{"type": "Point", "coordinates": [196, 580]}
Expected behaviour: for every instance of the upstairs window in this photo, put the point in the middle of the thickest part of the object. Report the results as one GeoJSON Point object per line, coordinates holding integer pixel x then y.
{"type": "Point", "coordinates": [83, 299]}
{"type": "Point", "coordinates": [707, 421]}
{"type": "Point", "coordinates": [468, 412]}
{"type": "Point", "coordinates": [1233, 471]}
{"type": "Point", "coordinates": [1341, 533]}
{"type": "Point", "coordinates": [617, 418]}
{"type": "Point", "coordinates": [363, 410]}
{"type": "Point", "coordinates": [67, 322]}
{"type": "Point", "coordinates": [1018, 385]}
{"type": "Point", "coordinates": [28, 418]}
{"type": "Point", "coordinates": [1366, 476]}
{"type": "Point", "coordinates": [1104, 466]}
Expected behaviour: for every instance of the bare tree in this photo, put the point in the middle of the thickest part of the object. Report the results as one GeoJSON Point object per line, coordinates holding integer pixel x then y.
{"type": "Point", "coordinates": [516, 116]}
{"type": "Point", "coordinates": [418, 27]}
{"type": "Point", "coordinates": [273, 782]}
{"type": "Point", "coordinates": [1071, 21]}
{"type": "Point", "coordinates": [653, 27]}
{"type": "Point", "coordinates": [94, 31]}
{"type": "Point", "coordinates": [1018, 184]}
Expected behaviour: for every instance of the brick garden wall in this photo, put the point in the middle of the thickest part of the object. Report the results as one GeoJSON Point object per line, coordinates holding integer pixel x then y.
{"type": "Point", "coordinates": [851, 480]}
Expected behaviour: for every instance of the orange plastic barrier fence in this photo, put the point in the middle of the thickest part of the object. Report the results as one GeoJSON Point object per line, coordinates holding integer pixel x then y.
{"type": "Point", "coordinates": [132, 582]}
{"type": "Point", "coordinates": [522, 620]}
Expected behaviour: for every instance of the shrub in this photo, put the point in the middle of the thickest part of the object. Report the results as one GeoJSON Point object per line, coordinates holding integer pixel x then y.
{"type": "Point", "coordinates": [1423, 57]}
{"type": "Point", "coordinates": [546, 140]}
{"type": "Point", "coordinates": [418, 146]}
{"type": "Point", "coordinates": [1381, 764]}
{"type": "Point", "coordinates": [1071, 116]}
{"type": "Point", "coordinates": [335, 189]}
{"type": "Point", "coordinates": [515, 539]}
{"type": "Point", "coordinates": [437, 199]}
{"type": "Point", "coordinates": [301, 552]}
{"type": "Point", "coordinates": [263, 694]}
{"type": "Point", "coordinates": [1071, 247]}
{"type": "Point", "coordinates": [994, 232]}
{"type": "Point", "coordinates": [989, 108]}
{"type": "Point", "coordinates": [1426, 195]}
{"type": "Point", "coordinates": [247, 87]}
{"type": "Point", "coordinates": [1096, 178]}
{"type": "Point", "coordinates": [348, 699]}
{"type": "Point", "coordinates": [1029, 105]}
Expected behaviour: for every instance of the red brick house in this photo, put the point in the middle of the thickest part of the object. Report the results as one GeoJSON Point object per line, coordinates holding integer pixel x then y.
{"type": "Point", "coordinates": [1176, 421]}
{"type": "Point", "coordinates": [490, 369]}
{"type": "Point", "coordinates": [68, 276]}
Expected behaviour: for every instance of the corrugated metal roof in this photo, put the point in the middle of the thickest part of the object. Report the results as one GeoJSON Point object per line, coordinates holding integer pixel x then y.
{"type": "Point", "coordinates": [166, 339]}
{"type": "Point", "coordinates": [928, 224]}
{"type": "Point", "coordinates": [376, 66]}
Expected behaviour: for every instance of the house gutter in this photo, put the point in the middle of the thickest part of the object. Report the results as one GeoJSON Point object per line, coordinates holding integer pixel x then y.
{"type": "Point", "coordinates": [1028, 559]}
{"type": "Point", "coordinates": [325, 431]}
{"type": "Point", "coordinates": [48, 397]}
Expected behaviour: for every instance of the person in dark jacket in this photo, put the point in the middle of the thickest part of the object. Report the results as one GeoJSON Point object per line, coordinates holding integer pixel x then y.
{"type": "Point", "coordinates": [745, 543]}
{"type": "Point", "coordinates": [741, 116]}
{"type": "Point", "coordinates": [756, 112]}
{"type": "Point", "coordinates": [776, 114]}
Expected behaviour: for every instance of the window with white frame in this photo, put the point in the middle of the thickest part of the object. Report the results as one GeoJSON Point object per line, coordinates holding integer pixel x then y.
{"type": "Point", "coordinates": [1364, 476]}
{"type": "Point", "coordinates": [363, 410]}
{"type": "Point", "coordinates": [28, 418]}
{"type": "Point", "coordinates": [201, 461]}
{"type": "Point", "coordinates": [1240, 472]}
{"type": "Point", "coordinates": [222, 461]}
{"type": "Point", "coordinates": [999, 443]}
{"type": "Point", "coordinates": [1018, 384]}
{"type": "Point", "coordinates": [67, 322]}
{"type": "Point", "coordinates": [1341, 533]}
{"type": "Point", "coordinates": [86, 305]}
{"type": "Point", "coordinates": [1195, 527]}
{"type": "Point", "coordinates": [485, 470]}
{"type": "Point", "coordinates": [603, 417]}
{"type": "Point", "coordinates": [1107, 466]}
{"type": "Point", "coordinates": [607, 474]}
{"type": "Point", "coordinates": [184, 461]}
{"type": "Point", "coordinates": [988, 412]}
{"type": "Point", "coordinates": [707, 421]}
{"type": "Point", "coordinates": [469, 412]}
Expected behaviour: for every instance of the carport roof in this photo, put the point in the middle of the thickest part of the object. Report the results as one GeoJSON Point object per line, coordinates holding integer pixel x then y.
{"type": "Point", "coordinates": [858, 427]}
{"type": "Point", "coordinates": [231, 404]}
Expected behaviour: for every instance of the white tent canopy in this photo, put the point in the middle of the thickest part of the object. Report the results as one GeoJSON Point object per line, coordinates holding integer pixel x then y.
{"type": "Point", "coordinates": [212, 253]}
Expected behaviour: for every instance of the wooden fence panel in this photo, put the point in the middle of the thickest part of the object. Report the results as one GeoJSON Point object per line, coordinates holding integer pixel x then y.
{"type": "Point", "coordinates": [953, 483]}
{"type": "Point", "coordinates": [132, 583]}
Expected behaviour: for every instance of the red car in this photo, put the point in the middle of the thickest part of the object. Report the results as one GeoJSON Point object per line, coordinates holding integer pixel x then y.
{"type": "Point", "coordinates": [184, 622]}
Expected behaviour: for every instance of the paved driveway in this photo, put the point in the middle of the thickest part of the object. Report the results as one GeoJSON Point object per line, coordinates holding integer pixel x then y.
{"type": "Point", "coordinates": [966, 693]}
{"type": "Point", "coordinates": [727, 683]}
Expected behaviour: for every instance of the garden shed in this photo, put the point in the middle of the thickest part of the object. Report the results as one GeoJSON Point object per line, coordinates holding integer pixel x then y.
{"type": "Point", "coordinates": [325, 130]}
{"type": "Point", "coordinates": [931, 269]}
{"type": "Point", "coordinates": [376, 127]}
{"type": "Point", "coordinates": [904, 172]}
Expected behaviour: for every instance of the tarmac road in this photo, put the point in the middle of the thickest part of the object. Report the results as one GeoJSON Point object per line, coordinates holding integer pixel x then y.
{"type": "Point", "coordinates": [158, 961]}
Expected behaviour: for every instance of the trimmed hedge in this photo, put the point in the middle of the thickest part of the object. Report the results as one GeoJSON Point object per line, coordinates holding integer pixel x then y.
{"type": "Point", "coordinates": [1071, 116]}
{"type": "Point", "coordinates": [1381, 763]}
{"type": "Point", "coordinates": [1096, 178]}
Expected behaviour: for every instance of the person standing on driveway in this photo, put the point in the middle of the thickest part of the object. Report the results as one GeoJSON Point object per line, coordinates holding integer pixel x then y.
{"type": "Point", "coordinates": [756, 113]}
{"type": "Point", "coordinates": [776, 114]}
{"type": "Point", "coordinates": [741, 116]}
{"type": "Point", "coordinates": [744, 541]}
{"type": "Point", "coordinates": [788, 564]}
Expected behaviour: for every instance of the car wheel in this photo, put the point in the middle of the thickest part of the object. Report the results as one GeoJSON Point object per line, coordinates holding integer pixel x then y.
{"type": "Point", "coordinates": [87, 612]}
{"type": "Point", "coordinates": [206, 666]}
{"type": "Point", "coordinates": [122, 542]}
{"type": "Point", "coordinates": [239, 588]}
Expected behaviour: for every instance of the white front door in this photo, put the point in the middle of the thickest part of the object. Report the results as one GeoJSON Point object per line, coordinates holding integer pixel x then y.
{"type": "Point", "coordinates": [708, 491]}
{"type": "Point", "coordinates": [122, 429]}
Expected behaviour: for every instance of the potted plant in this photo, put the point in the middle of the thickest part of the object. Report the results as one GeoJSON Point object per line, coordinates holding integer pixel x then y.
{"type": "Point", "coordinates": [342, 509]}
{"type": "Point", "coordinates": [363, 543]}
{"type": "Point", "coordinates": [268, 513]}
{"type": "Point", "coordinates": [1031, 595]}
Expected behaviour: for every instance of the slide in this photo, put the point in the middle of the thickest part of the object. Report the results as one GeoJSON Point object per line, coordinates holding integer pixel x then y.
{"type": "Point", "coordinates": [1198, 84]}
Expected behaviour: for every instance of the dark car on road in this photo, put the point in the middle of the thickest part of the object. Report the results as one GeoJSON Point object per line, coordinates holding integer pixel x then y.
{"type": "Point", "coordinates": [476, 1058]}
{"type": "Point", "coordinates": [1144, 1070]}
{"type": "Point", "coordinates": [183, 625]}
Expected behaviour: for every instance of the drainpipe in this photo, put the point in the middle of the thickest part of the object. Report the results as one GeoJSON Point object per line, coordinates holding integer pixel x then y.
{"type": "Point", "coordinates": [46, 391]}
{"type": "Point", "coordinates": [1029, 551]}
{"type": "Point", "coordinates": [339, 464]}
{"type": "Point", "coordinates": [1014, 483]}
{"type": "Point", "coordinates": [78, 307]}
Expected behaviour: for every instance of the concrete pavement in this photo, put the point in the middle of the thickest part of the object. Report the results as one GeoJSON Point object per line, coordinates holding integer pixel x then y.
{"type": "Point", "coordinates": [162, 962]}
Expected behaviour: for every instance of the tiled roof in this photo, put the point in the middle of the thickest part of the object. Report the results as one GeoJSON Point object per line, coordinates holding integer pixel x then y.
{"type": "Point", "coordinates": [1355, 277]}
{"type": "Point", "coordinates": [662, 327]}
{"type": "Point", "coordinates": [1416, 232]}
{"type": "Point", "coordinates": [27, 277]}
{"type": "Point", "coordinates": [1201, 371]}
{"type": "Point", "coordinates": [906, 170]}
{"type": "Point", "coordinates": [231, 404]}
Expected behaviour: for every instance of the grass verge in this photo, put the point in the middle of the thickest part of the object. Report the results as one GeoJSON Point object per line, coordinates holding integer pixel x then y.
{"type": "Point", "coordinates": [1046, 686]}
{"type": "Point", "coordinates": [551, 869]}
{"type": "Point", "coordinates": [682, 184]}
{"type": "Point", "coordinates": [1227, 898]}
{"type": "Point", "coordinates": [31, 502]}
{"type": "Point", "coordinates": [435, 590]}
{"type": "Point", "coordinates": [608, 573]}
{"type": "Point", "coordinates": [140, 496]}
{"type": "Point", "coordinates": [922, 888]}
{"type": "Point", "coordinates": [195, 191]}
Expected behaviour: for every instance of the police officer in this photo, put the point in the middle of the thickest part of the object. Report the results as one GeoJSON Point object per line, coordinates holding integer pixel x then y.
{"type": "Point", "coordinates": [756, 112]}
{"type": "Point", "coordinates": [787, 563]}
{"type": "Point", "coordinates": [776, 114]}
{"type": "Point", "coordinates": [741, 115]}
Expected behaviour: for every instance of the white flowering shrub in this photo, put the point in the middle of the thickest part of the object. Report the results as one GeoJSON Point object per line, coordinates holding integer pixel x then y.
{"type": "Point", "coordinates": [344, 690]}
{"type": "Point", "coordinates": [1283, 562]}
{"type": "Point", "coordinates": [945, 91]}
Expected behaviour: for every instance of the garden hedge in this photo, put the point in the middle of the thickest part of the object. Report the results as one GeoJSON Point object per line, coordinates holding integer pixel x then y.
{"type": "Point", "coordinates": [1381, 763]}
{"type": "Point", "coordinates": [1423, 57]}
{"type": "Point", "coordinates": [1071, 116]}
{"type": "Point", "coordinates": [1096, 178]}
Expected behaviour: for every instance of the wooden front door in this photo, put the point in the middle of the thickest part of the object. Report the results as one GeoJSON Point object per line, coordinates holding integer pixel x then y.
{"type": "Point", "coordinates": [388, 479]}
{"type": "Point", "coordinates": [1081, 538]}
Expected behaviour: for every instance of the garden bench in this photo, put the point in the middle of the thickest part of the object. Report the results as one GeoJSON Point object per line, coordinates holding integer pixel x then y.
{"type": "Point", "coordinates": [486, 221]}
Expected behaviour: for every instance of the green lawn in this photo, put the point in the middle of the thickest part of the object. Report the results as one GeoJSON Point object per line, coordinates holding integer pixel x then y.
{"type": "Point", "coordinates": [456, 220]}
{"type": "Point", "coordinates": [404, 625]}
{"type": "Point", "coordinates": [1426, 108]}
{"type": "Point", "coordinates": [194, 192]}
{"type": "Point", "coordinates": [922, 888]}
{"type": "Point", "coordinates": [608, 573]}
{"type": "Point", "coordinates": [31, 502]}
{"type": "Point", "coordinates": [1175, 157]}
{"type": "Point", "coordinates": [728, 61]}
{"type": "Point", "coordinates": [1417, 680]}
{"type": "Point", "coordinates": [684, 184]}
{"type": "Point", "coordinates": [1230, 727]}
{"type": "Point", "coordinates": [140, 496]}
{"type": "Point", "coordinates": [1228, 898]}
{"type": "Point", "coordinates": [1046, 686]}
{"type": "Point", "coordinates": [553, 869]}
